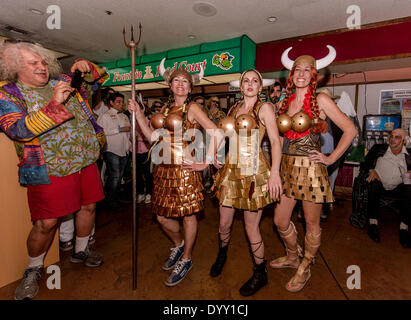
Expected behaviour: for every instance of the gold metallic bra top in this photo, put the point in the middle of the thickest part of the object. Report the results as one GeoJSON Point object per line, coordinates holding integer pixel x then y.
{"type": "Point", "coordinates": [172, 119]}
{"type": "Point", "coordinates": [243, 121]}
{"type": "Point", "coordinates": [299, 122]}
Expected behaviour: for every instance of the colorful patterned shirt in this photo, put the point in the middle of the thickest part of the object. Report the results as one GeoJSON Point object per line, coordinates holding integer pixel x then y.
{"type": "Point", "coordinates": [69, 147]}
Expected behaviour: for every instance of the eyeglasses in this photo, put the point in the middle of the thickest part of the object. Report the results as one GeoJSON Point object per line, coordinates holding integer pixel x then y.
{"type": "Point", "coordinates": [216, 102]}
{"type": "Point", "coordinates": [396, 137]}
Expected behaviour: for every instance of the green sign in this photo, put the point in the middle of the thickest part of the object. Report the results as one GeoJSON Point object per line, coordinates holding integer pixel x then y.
{"type": "Point", "coordinates": [223, 57]}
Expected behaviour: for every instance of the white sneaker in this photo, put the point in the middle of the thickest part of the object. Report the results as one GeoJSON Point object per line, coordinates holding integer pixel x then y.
{"type": "Point", "coordinates": [148, 198]}
{"type": "Point", "coordinates": [140, 198]}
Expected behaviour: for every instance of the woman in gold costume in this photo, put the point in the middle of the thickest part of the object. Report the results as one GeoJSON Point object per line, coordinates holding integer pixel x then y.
{"type": "Point", "coordinates": [177, 190]}
{"type": "Point", "coordinates": [303, 172]}
{"type": "Point", "coordinates": [248, 182]}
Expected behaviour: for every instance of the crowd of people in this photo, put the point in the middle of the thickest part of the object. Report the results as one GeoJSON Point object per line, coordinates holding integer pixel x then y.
{"type": "Point", "coordinates": [63, 141]}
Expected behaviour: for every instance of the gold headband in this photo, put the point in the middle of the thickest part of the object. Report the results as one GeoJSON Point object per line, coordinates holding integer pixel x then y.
{"type": "Point", "coordinates": [258, 73]}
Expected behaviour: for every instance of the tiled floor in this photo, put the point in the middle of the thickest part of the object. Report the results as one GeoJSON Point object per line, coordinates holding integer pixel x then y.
{"type": "Point", "coordinates": [385, 268]}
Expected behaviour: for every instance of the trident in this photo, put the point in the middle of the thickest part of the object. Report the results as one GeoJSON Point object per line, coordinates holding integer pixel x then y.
{"type": "Point", "coordinates": [132, 46]}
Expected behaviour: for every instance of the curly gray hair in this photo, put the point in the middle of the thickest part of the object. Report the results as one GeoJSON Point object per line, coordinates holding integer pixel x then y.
{"type": "Point", "coordinates": [11, 59]}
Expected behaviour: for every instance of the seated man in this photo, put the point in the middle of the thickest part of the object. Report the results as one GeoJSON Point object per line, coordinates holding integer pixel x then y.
{"type": "Point", "coordinates": [389, 174]}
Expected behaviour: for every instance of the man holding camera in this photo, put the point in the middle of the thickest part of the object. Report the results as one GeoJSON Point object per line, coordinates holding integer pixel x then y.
{"type": "Point", "coordinates": [58, 142]}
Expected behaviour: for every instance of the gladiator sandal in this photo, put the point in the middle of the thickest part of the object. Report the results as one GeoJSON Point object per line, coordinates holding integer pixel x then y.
{"type": "Point", "coordinates": [259, 278]}
{"type": "Point", "coordinates": [303, 274]}
{"type": "Point", "coordinates": [292, 249]}
{"type": "Point", "coordinates": [218, 265]}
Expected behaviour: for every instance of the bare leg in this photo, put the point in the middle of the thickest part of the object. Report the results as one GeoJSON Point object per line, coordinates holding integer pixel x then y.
{"type": "Point", "coordinates": [252, 227]}
{"type": "Point", "coordinates": [190, 233]}
{"type": "Point", "coordinates": [172, 228]}
{"type": "Point", "coordinates": [85, 220]}
{"type": "Point", "coordinates": [312, 212]}
{"type": "Point", "coordinates": [283, 212]}
{"type": "Point", "coordinates": [41, 236]}
{"type": "Point", "coordinates": [226, 221]}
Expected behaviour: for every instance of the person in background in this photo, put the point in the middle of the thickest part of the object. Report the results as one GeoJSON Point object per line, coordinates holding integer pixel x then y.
{"type": "Point", "coordinates": [208, 171]}
{"type": "Point", "coordinates": [275, 93]}
{"type": "Point", "coordinates": [327, 147]}
{"type": "Point", "coordinates": [200, 101]}
{"type": "Point", "coordinates": [214, 111]}
{"type": "Point", "coordinates": [103, 106]}
{"type": "Point", "coordinates": [215, 114]}
{"type": "Point", "coordinates": [156, 108]}
{"type": "Point", "coordinates": [143, 161]}
{"type": "Point", "coordinates": [67, 233]}
{"type": "Point", "coordinates": [117, 129]}
{"type": "Point", "coordinates": [389, 169]}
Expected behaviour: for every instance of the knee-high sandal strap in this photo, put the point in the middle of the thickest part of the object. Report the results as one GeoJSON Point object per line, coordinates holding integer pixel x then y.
{"type": "Point", "coordinates": [303, 274]}
{"type": "Point", "coordinates": [293, 250]}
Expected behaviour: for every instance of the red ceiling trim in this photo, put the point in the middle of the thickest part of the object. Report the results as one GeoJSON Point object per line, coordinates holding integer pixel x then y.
{"type": "Point", "coordinates": [356, 45]}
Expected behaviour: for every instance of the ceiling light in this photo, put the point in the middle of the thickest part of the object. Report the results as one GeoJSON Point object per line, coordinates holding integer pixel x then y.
{"type": "Point", "coordinates": [204, 9]}
{"type": "Point", "coordinates": [191, 37]}
{"type": "Point", "coordinates": [36, 11]}
{"type": "Point", "coordinates": [272, 19]}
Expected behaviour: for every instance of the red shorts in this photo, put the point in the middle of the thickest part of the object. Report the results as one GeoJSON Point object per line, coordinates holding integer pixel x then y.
{"type": "Point", "coordinates": [65, 195]}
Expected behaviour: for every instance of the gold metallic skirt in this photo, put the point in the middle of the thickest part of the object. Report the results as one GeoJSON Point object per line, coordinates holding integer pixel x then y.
{"type": "Point", "coordinates": [304, 179]}
{"type": "Point", "coordinates": [177, 192]}
{"type": "Point", "coordinates": [245, 192]}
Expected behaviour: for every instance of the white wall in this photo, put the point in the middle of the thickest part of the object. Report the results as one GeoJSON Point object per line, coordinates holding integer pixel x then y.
{"type": "Point", "coordinates": [373, 96]}
{"type": "Point", "coordinates": [371, 104]}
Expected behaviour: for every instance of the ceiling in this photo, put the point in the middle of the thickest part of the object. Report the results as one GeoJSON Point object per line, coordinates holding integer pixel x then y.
{"type": "Point", "coordinates": [88, 31]}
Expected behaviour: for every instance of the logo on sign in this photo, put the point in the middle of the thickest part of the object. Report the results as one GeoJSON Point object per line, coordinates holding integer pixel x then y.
{"type": "Point", "coordinates": [223, 60]}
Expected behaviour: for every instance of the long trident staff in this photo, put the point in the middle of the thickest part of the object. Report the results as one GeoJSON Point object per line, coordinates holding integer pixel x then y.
{"type": "Point", "coordinates": [132, 46]}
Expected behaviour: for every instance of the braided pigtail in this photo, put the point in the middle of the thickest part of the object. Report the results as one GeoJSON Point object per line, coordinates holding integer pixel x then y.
{"type": "Point", "coordinates": [319, 126]}
{"type": "Point", "coordinates": [288, 90]}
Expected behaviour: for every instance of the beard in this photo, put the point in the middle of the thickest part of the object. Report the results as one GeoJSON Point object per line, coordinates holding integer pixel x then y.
{"type": "Point", "coordinates": [275, 99]}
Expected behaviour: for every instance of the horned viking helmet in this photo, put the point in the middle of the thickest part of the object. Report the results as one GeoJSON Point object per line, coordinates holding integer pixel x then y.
{"type": "Point", "coordinates": [317, 64]}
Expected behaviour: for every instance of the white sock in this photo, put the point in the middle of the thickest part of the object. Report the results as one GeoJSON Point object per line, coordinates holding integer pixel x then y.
{"type": "Point", "coordinates": [181, 244]}
{"type": "Point", "coordinates": [403, 226]}
{"type": "Point", "coordinates": [81, 243]}
{"type": "Point", "coordinates": [374, 221]}
{"type": "Point", "coordinates": [36, 261]}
